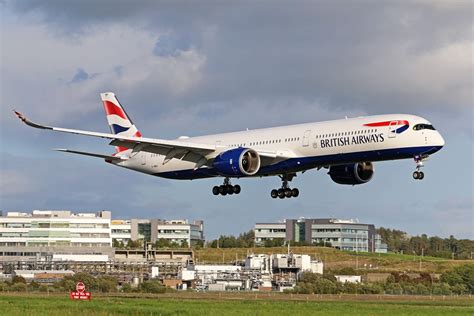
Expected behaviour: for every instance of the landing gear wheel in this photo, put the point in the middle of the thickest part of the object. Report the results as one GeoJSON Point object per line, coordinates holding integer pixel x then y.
{"type": "Point", "coordinates": [295, 192]}
{"type": "Point", "coordinates": [285, 191]}
{"type": "Point", "coordinates": [226, 189]}
{"type": "Point", "coordinates": [222, 190]}
{"type": "Point", "coordinates": [236, 189]}
{"type": "Point", "coordinates": [418, 174]}
{"type": "Point", "coordinates": [281, 193]}
{"type": "Point", "coordinates": [274, 193]}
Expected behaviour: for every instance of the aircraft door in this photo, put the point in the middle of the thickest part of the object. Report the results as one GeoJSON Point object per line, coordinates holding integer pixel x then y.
{"type": "Point", "coordinates": [392, 129]}
{"type": "Point", "coordinates": [306, 136]}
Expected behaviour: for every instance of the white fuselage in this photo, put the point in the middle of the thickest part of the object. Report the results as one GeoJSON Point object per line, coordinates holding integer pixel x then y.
{"type": "Point", "coordinates": [311, 145]}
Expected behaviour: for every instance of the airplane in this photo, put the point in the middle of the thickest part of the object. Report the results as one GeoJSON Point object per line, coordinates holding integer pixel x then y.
{"type": "Point", "coordinates": [346, 147]}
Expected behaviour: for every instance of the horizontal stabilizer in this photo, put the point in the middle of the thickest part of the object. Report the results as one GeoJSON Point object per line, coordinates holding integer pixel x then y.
{"type": "Point", "coordinates": [107, 157]}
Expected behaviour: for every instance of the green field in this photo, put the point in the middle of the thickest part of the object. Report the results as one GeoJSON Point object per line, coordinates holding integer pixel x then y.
{"type": "Point", "coordinates": [336, 259]}
{"type": "Point", "coordinates": [234, 304]}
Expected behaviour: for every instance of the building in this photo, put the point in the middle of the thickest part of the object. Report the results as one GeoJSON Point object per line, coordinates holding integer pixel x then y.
{"type": "Point", "coordinates": [178, 232]}
{"type": "Point", "coordinates": [121, 231]}
{"type": "Point", "coordinates": [341, 234]}
{"type": "Point", "coordinates": [47, 236]}
{"type": "Point", "coordinates": [55, 229]}
{"type": "Point", "coordinates": [61, 236]}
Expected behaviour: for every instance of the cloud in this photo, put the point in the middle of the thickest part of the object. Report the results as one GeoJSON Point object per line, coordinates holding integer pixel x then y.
{"type": "Point", "coordinates": [168, 45]}
{"type": "Point", "coordinates": [81, 75]}
{"type": "Point", "coordinates": [217, 68]}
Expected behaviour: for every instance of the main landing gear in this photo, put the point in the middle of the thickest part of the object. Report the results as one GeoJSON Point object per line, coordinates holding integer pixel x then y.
{"type": "Point", "coordinates": [226, 188]}
{"type": "Point", "coordinates": [285, 191]}
{"type": "Point", "coordinates": [418, 174]}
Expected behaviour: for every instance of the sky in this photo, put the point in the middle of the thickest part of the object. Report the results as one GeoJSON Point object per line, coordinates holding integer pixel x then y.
{"type": "Point", "coordinates": [182, 68]}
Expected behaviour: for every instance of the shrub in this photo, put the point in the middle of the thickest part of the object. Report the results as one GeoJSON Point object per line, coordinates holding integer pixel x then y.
{"type": "Point", "coordinates": [152, 287]}
{"type": "Point", "coordinates": [34, 286]}
{"type": "Point", "coordinates": [107, 284]}
{"type": "Point", "coordinates": [393, 288]}
{"type": "Point", "coordinates": [126, 288]}
{"type": "Point", "coordinates": [422, 289]}
{"type": "Point", "coordinates": [18, 279]}
{"type": "Point", "coordinates": [18, 287]}
{"type": "Point", "coordinates": [460, 275]}
{"type": "Point", "coordinates": [441, 289]}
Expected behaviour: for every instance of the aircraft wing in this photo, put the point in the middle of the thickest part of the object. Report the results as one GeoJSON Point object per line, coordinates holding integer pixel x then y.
{"type": "Point", "coordinates": [200, 154]}
{"type": "Point", "coordinates": [188, 151]}
{"type": "Point", "coordinates": [106, 157]}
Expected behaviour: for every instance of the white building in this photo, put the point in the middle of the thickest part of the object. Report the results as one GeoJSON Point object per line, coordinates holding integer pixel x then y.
{"type": "Point", "coordinates": [269, 231]}
{"type": "Point", "coordinates": [177, 231]}
{"type": "Point", "coordinates": [55, 229]}
{"type": "Point", "coordinates": [342, 234]}
{"type": "Point", "coordinates": [121, 230]}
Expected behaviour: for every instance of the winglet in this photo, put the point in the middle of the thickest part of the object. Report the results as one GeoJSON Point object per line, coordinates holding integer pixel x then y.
{"type": "Point", "coordinates": [28, 122]}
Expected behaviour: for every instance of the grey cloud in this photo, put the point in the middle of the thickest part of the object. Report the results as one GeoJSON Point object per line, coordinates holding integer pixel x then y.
{"type": "Point", "coordinates": [171, 45]}
{"type": "Point", "coordinates": [179, 67]}
{"type": "Point", "coordinates": [81, 75]}
{"type": "Point", "coordinates": [392, 56]}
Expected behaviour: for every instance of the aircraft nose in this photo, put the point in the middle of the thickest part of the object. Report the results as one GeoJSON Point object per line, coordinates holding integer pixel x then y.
{"type": "Point", "coordinates": [440, 140]}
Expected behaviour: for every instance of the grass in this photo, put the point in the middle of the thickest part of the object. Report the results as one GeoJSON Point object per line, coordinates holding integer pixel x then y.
{"type": "Point", "coordinates": [233, 304]}
{"type": "Point", "coordinates": [336, 259]}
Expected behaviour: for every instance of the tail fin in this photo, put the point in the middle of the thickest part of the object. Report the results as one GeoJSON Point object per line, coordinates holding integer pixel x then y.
{"type": "Point", "coordinates": [119, 122]}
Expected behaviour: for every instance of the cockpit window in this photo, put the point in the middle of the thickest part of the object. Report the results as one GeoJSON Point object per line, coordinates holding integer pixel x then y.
{"type": "Point", "coordinates": [419, 127]}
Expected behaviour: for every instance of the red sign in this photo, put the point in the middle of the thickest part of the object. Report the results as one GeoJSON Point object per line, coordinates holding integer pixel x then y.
{"type": "Point", "coordinates": [80, 287]}
{"type": "Point", "coordinates": [80, 293]}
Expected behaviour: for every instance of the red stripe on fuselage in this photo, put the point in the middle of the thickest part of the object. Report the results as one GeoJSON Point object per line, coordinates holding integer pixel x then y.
{"type": "Point", "coordinates": [112, 109]}
{"type": "Point", "coordinates": [387, 123]}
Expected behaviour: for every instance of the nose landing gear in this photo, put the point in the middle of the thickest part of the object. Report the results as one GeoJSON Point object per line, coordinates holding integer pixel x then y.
{"type": "Point", "coordinates": [226, 188]}
{"type": "Point", "coordinates": [418, 174]}
{"type": "Point", "coordinates": [285, 191]}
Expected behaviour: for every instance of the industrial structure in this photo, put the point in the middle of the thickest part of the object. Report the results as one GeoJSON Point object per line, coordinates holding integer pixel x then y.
{"type": "Point", "coordinates": [341, 234]}
{"type": "Point", "coordinates": [260, 272]}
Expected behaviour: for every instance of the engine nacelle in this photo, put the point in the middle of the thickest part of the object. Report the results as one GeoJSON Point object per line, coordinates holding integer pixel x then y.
{"type": "Point", "coordinates": [357, 173]}
{"type": "Point", "coordinates": [238, 162]}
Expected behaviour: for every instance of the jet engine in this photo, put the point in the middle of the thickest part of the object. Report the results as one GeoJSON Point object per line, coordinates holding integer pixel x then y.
{"type": "Point", "coordinates": [238, 162]}
{"type": "Point", "coordinates": [357, 173]}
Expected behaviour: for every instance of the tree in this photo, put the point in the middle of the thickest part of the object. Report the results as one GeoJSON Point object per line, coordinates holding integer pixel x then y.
{"type": "Point", "coordinates": [275, 242]}
{"type": "Point", "coordinates": [117, 244]}
{"type": "Point", "coordinates": [18, 287]}
{"type": "Point", "coordinates": [107, 284]}
{"type": "Point", "coordinates": [197, 244]}
{"type": "Point", "coordinates": [18, 279]}
{"type": "Point", "coordinates": [134, 244]}
{"type": "Point", "coordinates": [162, 243]}
{"type": "Point", "coordinates": [152, 287]}
{"type": "Point", "coordinates": [460, 275]}
{"type": "Point", "coordinates": [441, 289]}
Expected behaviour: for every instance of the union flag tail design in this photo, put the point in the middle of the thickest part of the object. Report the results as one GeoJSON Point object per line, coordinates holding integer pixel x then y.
{"type": "Point", "coordinates": [119, 122]}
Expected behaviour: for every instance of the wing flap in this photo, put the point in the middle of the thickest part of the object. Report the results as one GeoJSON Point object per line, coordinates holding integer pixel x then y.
{"type": "Point", "coordinates": [85, 153]}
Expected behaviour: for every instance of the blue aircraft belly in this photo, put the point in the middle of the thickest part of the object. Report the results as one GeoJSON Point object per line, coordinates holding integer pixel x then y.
{"type": "Point", "coordinates": [305, 163]}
